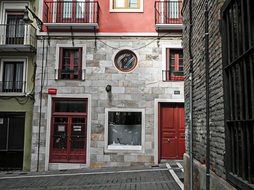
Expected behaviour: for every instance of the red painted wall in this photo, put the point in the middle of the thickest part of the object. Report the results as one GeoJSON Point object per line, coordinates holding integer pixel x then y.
{"type": "Point", "coordinates": [117, 22]}
{"type": "Point", "coordinates": [127, 22]}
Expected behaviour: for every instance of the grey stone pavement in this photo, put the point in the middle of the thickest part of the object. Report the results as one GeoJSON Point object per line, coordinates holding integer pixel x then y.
{"type": "Point", "coordinates": [127, 178]}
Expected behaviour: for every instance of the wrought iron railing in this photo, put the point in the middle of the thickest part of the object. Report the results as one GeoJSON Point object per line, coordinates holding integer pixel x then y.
{"type": "Point", "coordinates": [71, 12]}
{"type": "Point", "coordinates": [17, 34]}
{"type": "Point", "coordinates": [167, 75]}
{"type": "Point", "coordinates": [12, 86]}
{"type": "Point", "coordinates": [168, 12]}
{"type": "Point", "coordinates": [69, 74]}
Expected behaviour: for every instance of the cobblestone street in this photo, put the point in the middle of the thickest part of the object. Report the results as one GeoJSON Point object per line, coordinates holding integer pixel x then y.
{"type": "Point", "coordinates": [158, 178]}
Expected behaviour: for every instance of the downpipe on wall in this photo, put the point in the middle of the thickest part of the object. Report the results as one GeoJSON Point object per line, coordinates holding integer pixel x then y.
{"type": "Point", "coordinates": [40, 106]}
{"type": "Point", "coordinates": [190, 97]}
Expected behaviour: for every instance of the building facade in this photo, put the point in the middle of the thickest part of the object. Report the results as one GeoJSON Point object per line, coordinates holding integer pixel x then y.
{"type": "Point", "coordinates": [228, 148]}
{"type": "Point", "coordinates": [17, 70]}
{"type": "Point", "coordinates": [112, 83]}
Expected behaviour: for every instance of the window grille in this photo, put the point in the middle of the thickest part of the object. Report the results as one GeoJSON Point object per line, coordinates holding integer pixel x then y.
{"type": "Point", "coordinates": [238, 59]}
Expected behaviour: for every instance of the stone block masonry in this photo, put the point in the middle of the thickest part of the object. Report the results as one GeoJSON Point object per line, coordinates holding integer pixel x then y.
{"type": "Point", "coordinates": [134, 90]}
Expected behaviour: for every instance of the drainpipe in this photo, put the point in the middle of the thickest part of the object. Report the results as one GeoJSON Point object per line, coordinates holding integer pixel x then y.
{"type": "Point", "coordinates": [40, 106]}
{"type": "Point", "coordinates": [207, 61]}
{"type": "Point", "coordinates": [190, 96]}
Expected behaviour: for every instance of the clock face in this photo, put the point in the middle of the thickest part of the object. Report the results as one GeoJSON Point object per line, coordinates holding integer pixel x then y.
{"type": "Point", "coordinates": [125, 60]}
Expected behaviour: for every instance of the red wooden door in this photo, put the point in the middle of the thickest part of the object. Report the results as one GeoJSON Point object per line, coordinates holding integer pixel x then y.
{"type": "Point", "coordinates": [171, 131]}
{"type": "Point", "coordinates": [68, 137]}
{"type": "Point", "coordinates": [68, 131]}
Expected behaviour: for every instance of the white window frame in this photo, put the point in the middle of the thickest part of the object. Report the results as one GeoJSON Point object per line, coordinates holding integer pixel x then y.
{"type": "Point", "coordinates": [112, 148]}
{"type": "Point", "coordinates": [83, 58]}
{"type": "Point", "coordinates": [16, 6]}
{"type": "Point", "coordinates": [25, 70]}
{"type": "Point", "coordinates": [141, 8]}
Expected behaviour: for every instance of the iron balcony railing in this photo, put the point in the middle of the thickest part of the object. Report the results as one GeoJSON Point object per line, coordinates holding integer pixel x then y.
{"type": "Point", "coordinates": [167, 75]}
{"type": "Point", "coordinates": [12, 86]}
{"type": "Point", "coordinates": [69, 74]}
{"type": "Point", "coordinates": [17, 34]}
{"type": "Point", "coordinates": [168, 12]}
{"type": "Point", "coordinates": [71, 12]}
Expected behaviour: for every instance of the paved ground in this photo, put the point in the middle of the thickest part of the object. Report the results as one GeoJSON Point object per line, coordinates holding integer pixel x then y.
{"type": "Point", "coordinates": [145, 178]}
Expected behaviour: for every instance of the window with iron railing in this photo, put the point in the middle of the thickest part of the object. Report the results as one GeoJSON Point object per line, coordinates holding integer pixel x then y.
{"type": "Point", "coordinates": [238, 62]}
{"type": "Point", "coordinates": [12, 77]}
{"type": "Point", "coordinates": [174, 65]}
{"type": "Point", "coordinates": [15, 28]}
{"type": "Point", "coordinates": [168, 12]}
{"type": "Point", "coordinates": [70, 63]}
{"type": "Point", "coordinates": [71, 11]}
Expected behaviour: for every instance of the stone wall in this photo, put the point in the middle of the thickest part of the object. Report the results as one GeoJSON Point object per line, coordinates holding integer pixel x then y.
{"type": "Point", "coordinates": [217, 130]}
{"type": "Point", "coordinates": [137, 89]}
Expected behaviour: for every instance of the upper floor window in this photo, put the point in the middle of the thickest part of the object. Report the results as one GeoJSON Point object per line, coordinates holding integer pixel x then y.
{"type": "Point", "coordinates": [70, 63]}
{"type": "Point", "coordinates": [12, 76]}
{"type": "Point", "coordinates": [15, 28]}
{"type": "Point", "coordinates": [174, 65]}
{"type": "Point", "coordinates": [168, 12]}
{"type": "Point", "coordinates": [126, 5]}
{"type": "Point", "coordinates": [72, 11]}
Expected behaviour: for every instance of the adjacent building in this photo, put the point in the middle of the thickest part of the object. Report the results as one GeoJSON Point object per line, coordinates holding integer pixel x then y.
{"type": "Point", "coordinates": [17, 76]}
{"type": "Point", "coordinates": [110, 75]}
{"type": "Point", "coordinates": [230, 93]}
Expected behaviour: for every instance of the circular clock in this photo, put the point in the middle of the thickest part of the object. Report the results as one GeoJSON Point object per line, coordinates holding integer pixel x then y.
{"type": "Point", "coordinates": [125, 60]}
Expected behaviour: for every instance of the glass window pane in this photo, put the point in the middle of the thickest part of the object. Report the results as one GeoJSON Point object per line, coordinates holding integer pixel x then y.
{"type": "Point", "coordinates": [19, 76]}
{"type": "Point", "coordinates": [60, 133]}
{"type": "Point", "coordinates": [67, 9]}
{"type": "Point", "coordinates": [133, 3]}
{"type": "Point", "coordinates": [124, 128]}
{"type": "Point", "coordinates": [8, 75]}
{"type": "Point", "coordinates": [78, 132]}
{"type": "Point", "coordinates": [70, 106]}
{"type": "Point", "coordinates": [80, 9]}
{"type": "Point", "coordinates": [119, 3]}
{"type": "Point", "coordinates": [173, 7]}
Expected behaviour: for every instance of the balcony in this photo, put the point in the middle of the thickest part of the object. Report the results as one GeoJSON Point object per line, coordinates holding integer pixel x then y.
{"type": "Point", "coordinates": [81, 15]}
{"type": "Point", "coordinates": [12, 87]}
{"type": "Point", "coordinates": [172, 76]}
{"type": "Point", "coordinates": [17, 38]}
{"type": "Point", "coordinates": [168, 15]}
{"type": "Point", "coordinates": [66, 74]}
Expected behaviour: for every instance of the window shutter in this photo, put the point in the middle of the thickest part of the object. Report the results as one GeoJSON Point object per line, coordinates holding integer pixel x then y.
{"type": "Point", "coordinates": [167, 64]}
{"type": "Point", "coordinates": [60, 63]}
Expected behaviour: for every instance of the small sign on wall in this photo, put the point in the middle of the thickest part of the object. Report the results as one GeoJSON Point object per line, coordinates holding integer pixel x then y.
{"type": "Point", "coordinates": [177, 92]}
{"type": "Point", "coordinates": [76, 128]}
{"type": "Point", "coordinates": [61, 128]}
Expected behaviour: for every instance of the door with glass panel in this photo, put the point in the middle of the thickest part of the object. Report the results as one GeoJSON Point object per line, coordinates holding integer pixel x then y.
{"type": "Point", "coordinates": [172, 12]}
{"type": "Point", "coordinates": [68, 131]}
{"type": "Point", "coordinates": [75, 11]}
{"type": "Point", "coordinates": [15, 28]}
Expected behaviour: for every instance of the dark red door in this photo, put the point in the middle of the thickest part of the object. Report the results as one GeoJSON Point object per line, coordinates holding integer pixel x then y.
{"type": "Point", "coordinates": [68, 132]}
{"type": "Point", "coordinates": [171, 131]}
